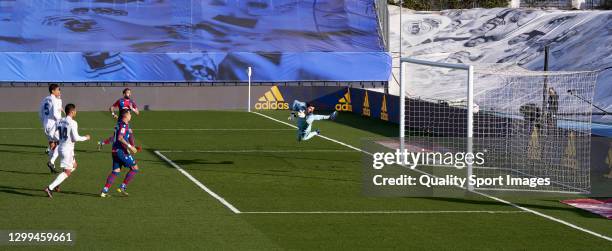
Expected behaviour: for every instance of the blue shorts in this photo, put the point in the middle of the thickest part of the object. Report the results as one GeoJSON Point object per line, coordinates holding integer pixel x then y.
{"type": "Point", "coordinates": [121, 158]}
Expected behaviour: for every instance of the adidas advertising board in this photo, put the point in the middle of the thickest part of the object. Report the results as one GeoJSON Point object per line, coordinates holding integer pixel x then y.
{"type": "Point", "coordinates": [272, 100]}
{"type": "Point", "coordinates": [366, 106]}
{"type": "Point", "coordinates": [375, 105]}
{"type": "Point", "coordinates": [383, 109]}
{"type": "Point", "coordinates": [344, 103]}
{"type": "Point", "coordinates": [371, 104]}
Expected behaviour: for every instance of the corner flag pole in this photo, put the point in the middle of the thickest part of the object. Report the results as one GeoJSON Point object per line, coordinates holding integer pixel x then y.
{"type": "Point", "coordinates": [249, 72]}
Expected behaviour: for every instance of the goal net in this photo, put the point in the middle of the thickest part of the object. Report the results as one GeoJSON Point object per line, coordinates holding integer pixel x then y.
{"type": "Point", "coordinates": [525, 124]}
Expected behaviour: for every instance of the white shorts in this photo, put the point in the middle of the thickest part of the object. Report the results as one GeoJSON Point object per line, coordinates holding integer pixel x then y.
{"type": "Point", "coordinates": [51, 131]}
{"type": "Point", "coordinates": [67, 159]}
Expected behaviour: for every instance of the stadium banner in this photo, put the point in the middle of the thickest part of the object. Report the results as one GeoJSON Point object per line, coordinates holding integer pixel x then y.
{"type": "Point", "coordinates": [191, 41]}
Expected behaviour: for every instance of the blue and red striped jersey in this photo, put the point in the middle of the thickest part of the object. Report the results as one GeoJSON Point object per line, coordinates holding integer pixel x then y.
{"type": "Point", "coordinates": [125, 103]}
{"type": "Point", "coordinates": [122, 130]}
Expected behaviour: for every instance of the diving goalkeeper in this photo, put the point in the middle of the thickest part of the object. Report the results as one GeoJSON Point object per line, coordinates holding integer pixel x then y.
{"type": "Point", "coordinates": [305, 117]}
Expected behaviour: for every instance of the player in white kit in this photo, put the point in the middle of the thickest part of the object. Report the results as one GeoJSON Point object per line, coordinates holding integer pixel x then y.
{"type": "Point", "coordinates": [50, 113]}
{"type": "Point", "coordinates": [68, 132]}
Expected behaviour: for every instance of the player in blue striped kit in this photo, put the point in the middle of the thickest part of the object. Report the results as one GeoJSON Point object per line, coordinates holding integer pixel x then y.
{"type": "Point", "coordinates": [305, 117]}
{"type": "Point", "coordinates": [122, 154]}
{"type": "Point", "coordinates": [124, 103]}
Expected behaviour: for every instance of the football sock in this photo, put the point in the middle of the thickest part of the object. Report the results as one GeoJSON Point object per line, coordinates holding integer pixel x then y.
{"type": "Point", "coordinates": [109, 180]}
{"type": "Point", "coordinates": [60, 178]}
{"type": "Point", "coordinates": [53, 154]}
{"type": "Point", "coordinates": [128, 177]}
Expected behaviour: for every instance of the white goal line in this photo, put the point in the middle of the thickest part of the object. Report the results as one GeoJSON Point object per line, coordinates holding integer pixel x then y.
{"type": "Point", "coordinates": [608, 238]}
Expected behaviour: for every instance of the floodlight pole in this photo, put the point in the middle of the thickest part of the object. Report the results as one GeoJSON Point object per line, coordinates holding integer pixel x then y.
{"type": "Point", "coordinates": [249, 72]}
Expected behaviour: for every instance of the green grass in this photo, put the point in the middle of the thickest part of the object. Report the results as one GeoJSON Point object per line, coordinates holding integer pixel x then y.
{"type": "Point", "coordinates": [166, 210]}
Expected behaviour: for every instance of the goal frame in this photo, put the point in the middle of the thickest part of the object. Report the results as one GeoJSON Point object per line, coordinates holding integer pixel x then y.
{"type": "Point", "coordinates": [404, 62]}
{"type": "Point", "coordinates": [567, 178]}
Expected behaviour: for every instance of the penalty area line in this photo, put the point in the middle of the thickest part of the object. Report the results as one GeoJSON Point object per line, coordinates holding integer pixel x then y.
{"type": "Point", "coordinates": [571, 225]}
{"type": "Point", "coordinates": [198, 183]}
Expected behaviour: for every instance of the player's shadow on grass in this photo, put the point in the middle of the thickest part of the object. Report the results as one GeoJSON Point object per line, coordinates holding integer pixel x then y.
{"type": "Point", "coordinates": [87, 151]}
{"type": "Point", "coordinates": [202, 162]}
{"type": "Point", "coordinates": [38, 147]}
{"type": "Point", "coordinates": [24, 145]}
{"type": "Point", "coordinates": [158, 162]}
{"type": "Point", "coordinates": [12, 150]}
{"type": "Point", "coordinates": [273, 174]}
{"type": "Point", "coordinates": [38, 192]}
{"type": "Point", "coordinates": [19, 193]}
{"type": "Point", "coordinates": [185, 162]}
{"type": "Point", "coordinates": [23, 172]}
{"type": "Point", "coordinates": [21, 152]}
{"type": "Point", "coordinates": [294, 157]}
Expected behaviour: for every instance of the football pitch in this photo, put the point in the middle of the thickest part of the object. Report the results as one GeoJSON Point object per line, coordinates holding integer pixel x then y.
{"type": "Point", "coordinates": [238, 180]}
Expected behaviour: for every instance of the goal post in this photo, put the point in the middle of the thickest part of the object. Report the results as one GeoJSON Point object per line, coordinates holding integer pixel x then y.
{"type": "Point", "coordinates": [499, 110]}
{"type": "Point", "coordinates": [469, 71]}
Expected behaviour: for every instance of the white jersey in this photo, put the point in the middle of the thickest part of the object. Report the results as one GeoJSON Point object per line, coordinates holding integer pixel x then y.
{"type": "Point", "coordinates": [68, 134]}
{"type": "Point", "coordinates": [50, 111]}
